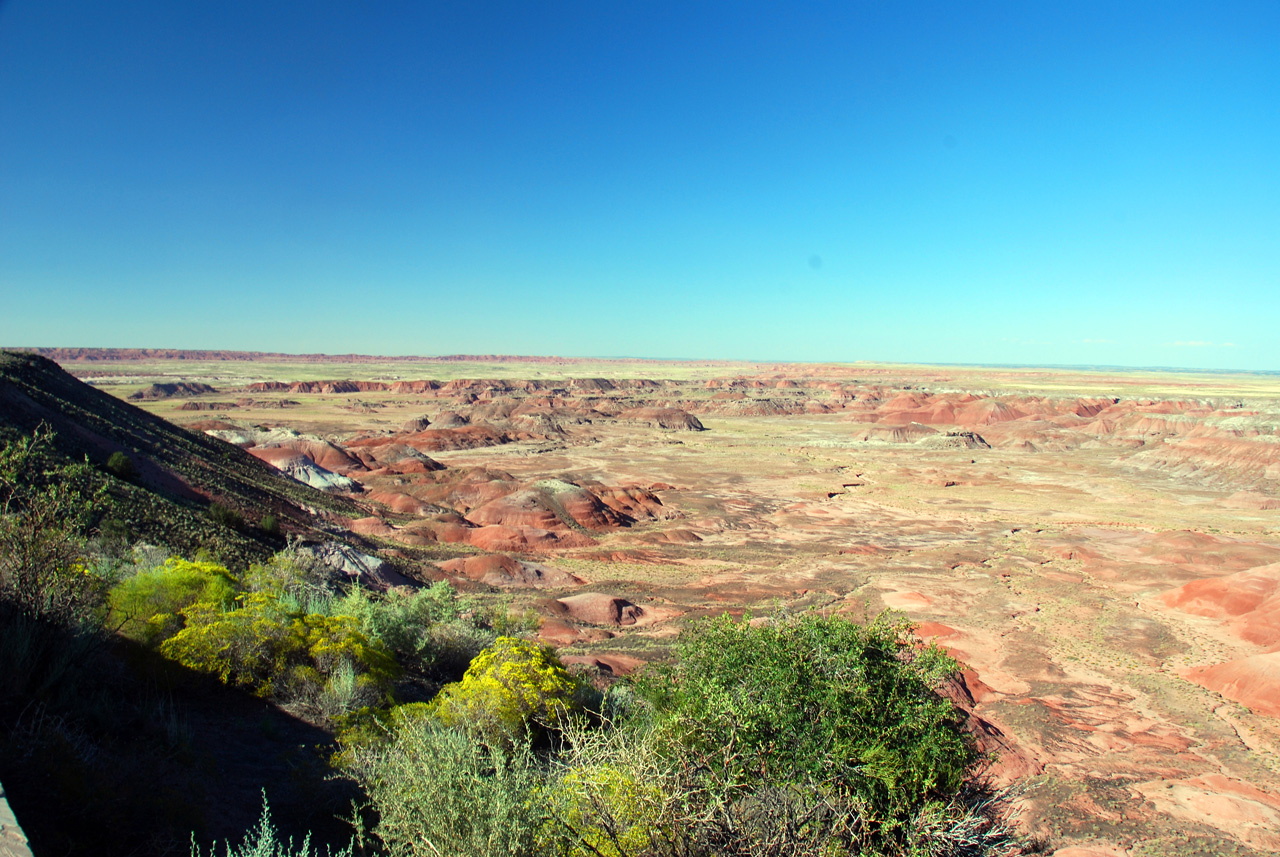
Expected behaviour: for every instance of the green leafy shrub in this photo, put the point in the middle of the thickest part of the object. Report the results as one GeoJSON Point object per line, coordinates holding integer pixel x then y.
{"type": "Point", "coordinates": [225, 516]}
{"type": "Point", "coordinates": [149, 606]}
{"type": "Point", "coordinates": [442, 791]}
{"type": "Point", "coordinates": [614, 794]}
{"type": "Point", "coordinates": [291, 573]}
{"type": "Point", "coordinates": [122, 466]}
{"type": "Point", "coordinates": [275, 651]}
{"type": "Point", "coordinates": [270, 525]}
{"type": "Point", "coordinates": [424, 627]}
{"type": "Point", "coordinates": [45, 509]}
{"type": "Point", "coordinates": [814, 718]}
{"type": "Point", "coordinates": [509, 686]}
{"type": "Point", "coordinates": [51, 601]}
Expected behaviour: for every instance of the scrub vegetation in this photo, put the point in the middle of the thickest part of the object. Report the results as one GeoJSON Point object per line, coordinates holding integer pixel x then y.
{"type": "Point", "coordinates": [443, 726]}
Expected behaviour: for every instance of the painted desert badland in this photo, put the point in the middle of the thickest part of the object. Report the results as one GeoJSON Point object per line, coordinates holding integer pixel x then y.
{"type": "Point", "coordinates": [1100, 550]}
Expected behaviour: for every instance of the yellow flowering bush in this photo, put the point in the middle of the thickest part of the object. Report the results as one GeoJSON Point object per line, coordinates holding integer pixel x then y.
{"type": "Point", "coordinates": [611, 812]}
{"type": "Point", "coordinates": [273, 650]}
{"type": "Point", "coordinates": [508, 685]}
{"type": "Point", "coordinates": [149, 606]}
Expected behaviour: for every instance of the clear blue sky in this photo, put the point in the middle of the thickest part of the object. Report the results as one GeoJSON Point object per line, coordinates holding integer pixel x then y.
{"type": "Point", "coordinates": [1041, 183]}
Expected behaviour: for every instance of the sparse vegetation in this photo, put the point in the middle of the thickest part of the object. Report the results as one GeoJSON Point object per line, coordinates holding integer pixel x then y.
{"type": "Point", "coordinates": [122, 466]}
{"type": "Point", "coordinates": [225, 516]}
{"type": "Point", "coordinates": [808, 736]}
{"type": "Point", "coordinates": [801, 736]}
{"type": "Point", "coordinates": [264, 841]}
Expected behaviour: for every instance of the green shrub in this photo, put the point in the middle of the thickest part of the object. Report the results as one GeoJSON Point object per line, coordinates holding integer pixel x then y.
{"type": "Point", "coordinates": [614, 793]}
{"type": "Point", "coordinates": [442, 791]}
{"type": "Point", "coordinates": [122, 466]}
{"type": "Point", "coordinates": [275, 651]}
{"type": "Point", "coordinates": [291, 573]}
{"type": "Point", "coordinates": [45, 510]}
{"type": "Point", "coordinates": [814, 715]}
{"type": "Point", "coordinates": [264, 841]}
{"type": "Point", "coordinates": [415, 624]}
{"type": "Point", "coordinates": [225, 516]}
{"type": "Point", "coordinates": [270, 525]}
{"type": "Point", "coordinates": [510, 686]}
{"type": "Point", "coordinates": [149, 606]}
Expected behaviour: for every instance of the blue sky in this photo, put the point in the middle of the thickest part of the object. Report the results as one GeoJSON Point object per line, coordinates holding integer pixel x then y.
{"type": "Point", "coordinates": [967, 183]}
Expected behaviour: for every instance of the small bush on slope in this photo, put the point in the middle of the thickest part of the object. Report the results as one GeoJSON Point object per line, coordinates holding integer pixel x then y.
{"type": "Point", "coordinates": [291, 573]}
{"type": "Point", "coordinates": [288, 654]}
{"type": "Point", "coordinates": [148, 606]}
{"type": "Point", "coordinates": [816, 735]}
{"type": "Point", "coordinates": [264, 841]}
{"type": "Point", "coordinates": [442, 791]}
{"type": "Point", "coordinates": [509, 687]}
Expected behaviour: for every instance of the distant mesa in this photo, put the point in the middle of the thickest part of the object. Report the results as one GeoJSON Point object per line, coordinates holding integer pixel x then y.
{"type": "Point", "coordinates": [416, 424]}
{"type": "Point", "coordinates": [909, 433]}
{"type": "Point", "coordinates": [170, 391]}
{"type": "Point", "coordinates": [664, 418]}
{"type": "Point", "coordinates": [954, 440]}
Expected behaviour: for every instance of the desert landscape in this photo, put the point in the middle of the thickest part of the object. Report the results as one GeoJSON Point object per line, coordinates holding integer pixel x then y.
{"type": "Point", "coordinates": [1100, 549]}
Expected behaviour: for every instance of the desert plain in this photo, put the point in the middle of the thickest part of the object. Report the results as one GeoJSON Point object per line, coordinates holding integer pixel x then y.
{"type": "Point", "coordinates": [1099, 549]}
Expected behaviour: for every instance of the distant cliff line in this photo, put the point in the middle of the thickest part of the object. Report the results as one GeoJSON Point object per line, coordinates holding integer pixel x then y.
{"type": "Point", "coordinates": [108, 355]}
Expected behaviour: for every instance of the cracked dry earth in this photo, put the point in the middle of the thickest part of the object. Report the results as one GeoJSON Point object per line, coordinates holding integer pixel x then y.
{"type": "Point", "coordinates": [1118, 618]}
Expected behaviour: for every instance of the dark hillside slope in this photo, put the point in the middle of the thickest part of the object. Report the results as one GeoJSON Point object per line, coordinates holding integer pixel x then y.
{"type": "Point", "coordinates": [180, 475]}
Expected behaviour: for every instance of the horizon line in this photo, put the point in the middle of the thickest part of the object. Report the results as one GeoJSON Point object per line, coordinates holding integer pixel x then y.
{"type": "Point", "coordinates": [79, 354]}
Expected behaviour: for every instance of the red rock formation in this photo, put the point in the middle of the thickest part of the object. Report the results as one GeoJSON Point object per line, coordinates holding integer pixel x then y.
{"type": "Point", "coordinates": [501, 570]}
{"type": "Point", "coordinates": [1253, 681]}
{"type": "Point", "coordinates": [666, 418]}
{"type": "Point", "coordinates": [596, 608]}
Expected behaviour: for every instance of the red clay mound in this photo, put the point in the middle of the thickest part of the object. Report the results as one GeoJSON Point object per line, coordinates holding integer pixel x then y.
{"type": "Point", "coordinates": [463, 437]}
{"type": "Point", "coordinates": [675, 537]}
{"type": "Point", "coordinates": [558, 632]}
{"type": "Point", "coordinates": [402, 503]}
{"type": "Point", "coordinates": [596, 608]}
{"type": "Point", "coordinates": [318, 452]}
{"type": "Point", "coordinates": [1253, 682]}
{"type": "Point", "coordinates": [466, 489]}
{"type": "Point", "coordinates": [392, 454]}
{"type": "Point", "coordinates": [501, 570]}
{"type": "Point", "coordinates": [527, 508]}
{"type": "Point", "coordinates": [986, 412]}
{"type": "Point", "coordinates": [1250, 599]}
{"type": "Point", "coordinates": [498, 537]}
{"type": "Point", "coordinates": [634, 502]}
{"type": "Point", "coordinates": [451, 419]}
{"type": "Point", "coordinates": [372, 526]}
